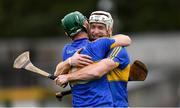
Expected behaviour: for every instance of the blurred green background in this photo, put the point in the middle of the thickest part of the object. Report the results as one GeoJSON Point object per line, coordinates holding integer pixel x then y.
{"type": "Point", "coordinates": [153, 25]}
{"type": "Point", "coordinates": [32, 18]}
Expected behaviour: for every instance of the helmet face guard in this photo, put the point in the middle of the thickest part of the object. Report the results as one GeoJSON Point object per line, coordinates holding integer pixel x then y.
{"type": "Point", "coordinates": [73, 23]}
{"type": "Point", "coordinates": [101, 17]}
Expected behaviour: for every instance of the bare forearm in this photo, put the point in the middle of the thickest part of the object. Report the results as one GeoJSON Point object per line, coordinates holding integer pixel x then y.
{"type": "Point", "coordinates": [62, 68]}
{"type": "Point", "coordinates": [93, 71]}
{"type": "Point", "coordinates": [122, 40]}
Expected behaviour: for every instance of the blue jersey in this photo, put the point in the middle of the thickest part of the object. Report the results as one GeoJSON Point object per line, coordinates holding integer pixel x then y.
{"type": "Point", "coordinates": [94, 93]}
{"type": "Point", "coordinates": [119, 76]}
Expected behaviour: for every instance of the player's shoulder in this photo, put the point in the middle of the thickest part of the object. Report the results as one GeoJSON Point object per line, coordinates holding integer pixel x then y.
{"type": "Point", "coordinates": [66, 45]}
{"type": "Point", "coordinates": [120, 48]}
{"type": "Point", "coordinates": [119, 51]}
{"type": "Point", "coordinates": [103, 39]}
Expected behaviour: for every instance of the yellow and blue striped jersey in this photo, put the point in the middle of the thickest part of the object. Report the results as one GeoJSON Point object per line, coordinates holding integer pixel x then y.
{"type": "Point", "coordinates": [118, 77]}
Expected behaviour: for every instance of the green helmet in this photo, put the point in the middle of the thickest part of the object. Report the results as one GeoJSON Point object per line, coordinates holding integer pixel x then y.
{"type": "Point", "coordinates": [73, 23]}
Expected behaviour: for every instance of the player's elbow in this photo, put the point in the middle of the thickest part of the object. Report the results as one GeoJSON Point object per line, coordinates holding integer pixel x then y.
{"type": "Point", "coordinates": [122, 40]}
{"type": "Point", "coordinates": [97, 75]}
{"type": "Point", "coordinates": [128, 40]}
{"type": "Point", "coordinates": [104, 67]}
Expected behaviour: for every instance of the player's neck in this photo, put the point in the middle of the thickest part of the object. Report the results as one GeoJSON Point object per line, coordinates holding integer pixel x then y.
{"type": "Point", "coordinates": [81, 35]}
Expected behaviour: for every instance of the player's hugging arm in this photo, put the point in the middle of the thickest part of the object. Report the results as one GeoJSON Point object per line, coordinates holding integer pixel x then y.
{"type": "Point", "coordinates": [62, 68]}
{"type": "Point", "coordinates": [93, 71]}
{"type": "Point", "coordinates": [121, 40]}
{"type": "Point", "coordinates": [78, 60]}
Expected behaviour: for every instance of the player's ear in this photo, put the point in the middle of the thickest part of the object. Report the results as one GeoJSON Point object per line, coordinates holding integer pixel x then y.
{"type": "Point", "coordinates": [86, 25]}
{"type": "Point", "coordinates": [109, 32]}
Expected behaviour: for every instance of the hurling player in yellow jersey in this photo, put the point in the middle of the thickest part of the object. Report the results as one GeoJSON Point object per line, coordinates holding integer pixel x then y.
{"type": "Point", "coordinates": [118, 77]}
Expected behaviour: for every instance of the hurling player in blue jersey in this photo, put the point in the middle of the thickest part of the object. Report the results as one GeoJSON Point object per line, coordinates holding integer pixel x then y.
{"type": "Point", "coordinates": [89, 93]}
{"type": "Point", "coordinates": [118, 77]}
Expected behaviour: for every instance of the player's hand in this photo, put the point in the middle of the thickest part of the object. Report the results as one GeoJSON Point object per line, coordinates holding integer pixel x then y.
{"type": "Point", "coordinates": [61, 80]}
{"type": "Point", "coordinates": [80, 60]}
